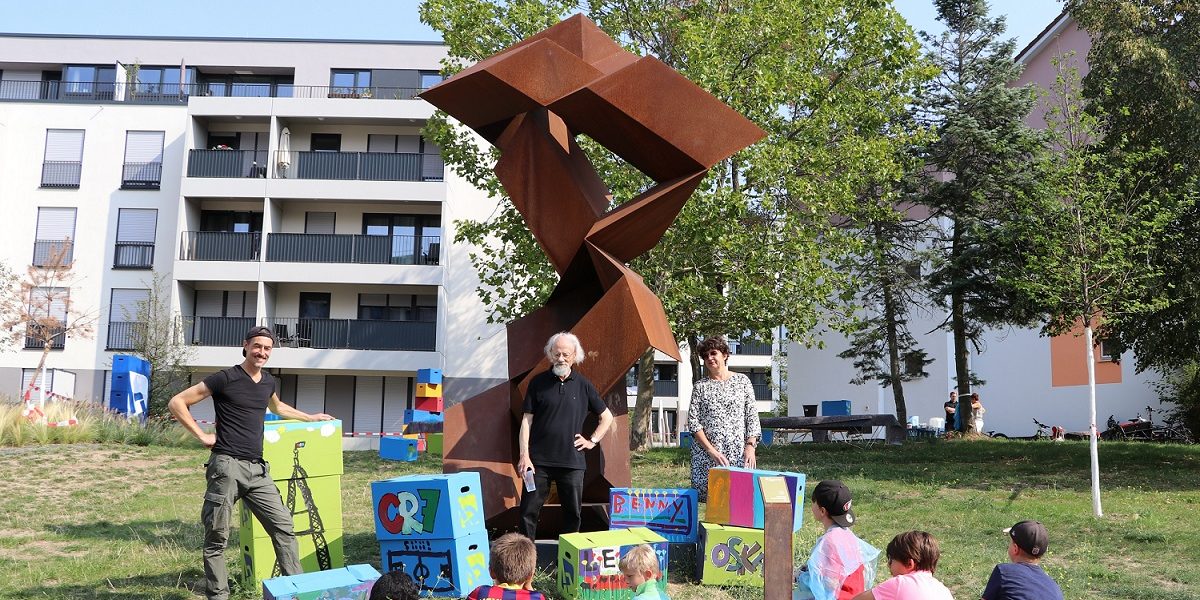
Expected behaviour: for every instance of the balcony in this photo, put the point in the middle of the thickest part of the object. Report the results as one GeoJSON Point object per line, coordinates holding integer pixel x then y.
{"type": "Point", "coordinates": [141, 176]}
{"type": "Point", "coordinates": [750, 348]}
{"type": "Point", "coordinates": [136, 93]}
{"type": "Point", "coordinates": [220, 245]}
{"type": "Point", "coordinates": [124, 335]}
{"type": "Point", "coordinates": [362, 166]}
{"type": "Point", "coordinates": [133, 255]}
{"type": "Point", "coordinates": [34, 340]}
{"type": "Point", "coordinates": [216, 331]}
{"type": "Point", "coordinates": [53, 253]}
{"type": "Point", "coordinates": [358, 93]}
{"type": "Point", "coordinates": [348, 248]}
{"type": "Point", "coordinates": [355, 334]}
{"type": "Point", "coordinates": [61, 174]}
{"type": "Point", "coordinates": [762, 390]}
{"type": "Point", "coordinates": [227, 163]}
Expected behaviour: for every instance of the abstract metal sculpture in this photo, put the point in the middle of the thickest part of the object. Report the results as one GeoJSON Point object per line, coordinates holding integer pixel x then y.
{"type": "Point", "coordinates": [530, 101]}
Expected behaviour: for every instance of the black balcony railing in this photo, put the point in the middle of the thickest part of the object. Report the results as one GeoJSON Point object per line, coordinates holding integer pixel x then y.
{"type": "Point", "coordinates": [125, 335]}
{"type": "Point", "coordinates": [361, 93]}
{"type": "Point", "coordinates": [61, 174]}
{"type": "Point", "coordinates": [364, 166]}
{"type": "Point", "coordinates": [666, 388]}
{"type": "Point", "coordinates": [750, 348]}
{"type": "Point", "coordinates": [348, 248]}
{"type": "Point", "coordinates": [141, 176]}
{"type": "Point", "coordinates": [762, 391]}
{"type": "Point", "coordinates": [220, 245]}
{"type": "Point", "coordinates": [227, 163]}
{"type": "Point", "coordinates": [35, 340]}
{"type": "Point", "coordinates": [53, 253]}
{"type": "Point", "coordinates": [133, 255]}
{"type": "Point", "coordinates": [138, 93]}
{"type": "Point", "coordinates": [356, 334]}
{"type": "Point", "coordinates": [216, 331]}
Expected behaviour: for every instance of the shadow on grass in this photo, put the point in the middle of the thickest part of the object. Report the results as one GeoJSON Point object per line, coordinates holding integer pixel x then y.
{"type": "Point", "coordinates": [150, 533]}
{"type": "Point", "coordinates": [979, 464]}
{"type": "Point", "coordinates": [165, 586]}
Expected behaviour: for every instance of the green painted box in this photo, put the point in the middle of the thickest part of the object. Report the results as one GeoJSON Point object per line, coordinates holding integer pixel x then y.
{"type": "Point", "coordinates": [433, 443]}
{"type": "Point", "coordinates": [326, 494]}
{"type": "Point", "coordinates": [303, 449]}
{"type": "Point", "coordinates": [258, 556]}
{"type": "Point", "coordinates": [730, 555]}
{"type": "Point", "coordinates": [588, 563]}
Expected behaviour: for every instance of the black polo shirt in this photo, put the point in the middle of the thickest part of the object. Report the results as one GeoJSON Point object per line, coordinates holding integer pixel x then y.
{"type": "Point", "coordinates": [241, 407]}
{"type": "Point", "coordinates": [559, 408]}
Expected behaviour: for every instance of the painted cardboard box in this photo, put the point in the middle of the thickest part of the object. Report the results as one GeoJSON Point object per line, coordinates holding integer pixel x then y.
{"type": "Point", "coordinates": [671, 513]}
{"type": "Point", "coordinates": [429, 376]}
{"type": "Point", "coordinates": [317, 553]}
{"type": "Point", "coordinates": [326, 511]}
{"type": "Point", "coordinates": [303, 449]}
{"type": "Point", "coordinates": [433, 443]}
{"type": "Point", "coordinates": [398, 448]}
{"type": "Point", "coordinates": [348, 583]}
{"type": "Point", "coordinates": [734, 497]}
{"type": "Point", "coordinates": [442, 567]}
{"type": "Point", "coordinates": [438, 506]}
{"type": "Point", "coordinates": [730, 555]}
{"type": "Point", "coordinates": [421, 416]}
{"type": "Point", "coordinates": [429, 404]}
{"type": "Point", "coordinates": [429, 390]}
{"type": "Point", "coordinates": [588, 563]}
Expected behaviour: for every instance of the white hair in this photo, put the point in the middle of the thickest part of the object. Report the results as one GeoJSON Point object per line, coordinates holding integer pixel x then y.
{"type": "Point", "coordinates": [570, 337]}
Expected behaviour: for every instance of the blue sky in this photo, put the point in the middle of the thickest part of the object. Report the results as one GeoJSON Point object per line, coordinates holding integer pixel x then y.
{"type": "Point", "coordinates": [343, 19]}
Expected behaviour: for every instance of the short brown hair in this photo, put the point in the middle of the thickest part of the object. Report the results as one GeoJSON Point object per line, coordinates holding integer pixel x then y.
{"type": "Point", "coordinates": [514, 559]}
{"type": "Point", "coordinates": [639, 559]}
{"type": "Point", "coordinates": [716, 342]}
{"type": "Point", "coordinates": [917, 546]}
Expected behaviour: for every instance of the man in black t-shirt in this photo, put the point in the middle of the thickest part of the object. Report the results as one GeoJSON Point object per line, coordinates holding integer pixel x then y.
{"type": "Point", "coordinates": [556, 404]}
{"type": "Point", "coordinates": [241, 395]}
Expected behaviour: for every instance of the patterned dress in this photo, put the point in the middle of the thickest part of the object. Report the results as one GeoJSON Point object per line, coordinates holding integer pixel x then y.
{"type": "Point", "coordinates": [726, 412]}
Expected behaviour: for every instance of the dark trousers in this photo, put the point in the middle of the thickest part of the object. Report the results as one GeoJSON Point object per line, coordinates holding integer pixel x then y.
{"type": "Point", "coordinates": [570, 494]}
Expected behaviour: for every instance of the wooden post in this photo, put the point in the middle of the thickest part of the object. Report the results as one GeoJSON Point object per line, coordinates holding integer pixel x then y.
{"type": "Point", "coordinates": [777, 536]}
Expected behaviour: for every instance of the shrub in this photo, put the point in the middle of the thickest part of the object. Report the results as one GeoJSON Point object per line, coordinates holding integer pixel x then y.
{"type": "Point", "coordinates": [94, 424]}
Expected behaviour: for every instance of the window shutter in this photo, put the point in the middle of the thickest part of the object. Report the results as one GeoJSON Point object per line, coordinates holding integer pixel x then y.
{"type": "Point", "coordinates": [27, 375]}
{"type": "Point", "coordinates": [136, 224]}
{"type": "Point", "coordinates": [368, 404]}
{"type": "Point", "coordinates": [56, 297]}
{"type": "Point", "coordinates": [56, 223]}
{"type": "Point", "coordinates": [64, 145]}
{"type": "Point", "coordinates": [319, 222]}
{"type": "Point", "coordinates": [310, 393]}
{"type": "Point", "coordinates": [125, 304]}
{"type": "Point", "coordinates": [408, 143]}
{"type": "Point", "coordinates": [381, 143]}
{"type": "Point", "coordinates": [395, 401]}
{"type": "Point", "coordinates": [209, 303]}
{"type": "Point", "coordinates": [143, 146]}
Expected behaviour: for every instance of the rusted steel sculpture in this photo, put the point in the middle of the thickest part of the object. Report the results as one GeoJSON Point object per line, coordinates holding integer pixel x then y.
{"type": "Point", "coordinates": [530, 101]}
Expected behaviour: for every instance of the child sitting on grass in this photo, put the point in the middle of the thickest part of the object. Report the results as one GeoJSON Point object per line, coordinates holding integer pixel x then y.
{"type": "Point", "coordinates": [912, 558]}
{"type": "Point", "coordinates": [395, 585]}
{"type": "Point", "coordinates": [841, 565]}
{"type": "Point", "coordinates": [640, 566]}
{"type": "Point", "coordinates": [513, 565]}
{"type": "Point", "coordinates": [1023, 578]}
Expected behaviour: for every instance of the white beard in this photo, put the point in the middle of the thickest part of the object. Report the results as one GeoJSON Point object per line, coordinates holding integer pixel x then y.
{"type": "Point", "coordinates": [561, 369]}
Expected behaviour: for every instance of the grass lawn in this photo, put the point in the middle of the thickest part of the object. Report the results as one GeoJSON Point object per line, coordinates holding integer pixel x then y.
{"type": "Point", "coordinates": [114, 521]}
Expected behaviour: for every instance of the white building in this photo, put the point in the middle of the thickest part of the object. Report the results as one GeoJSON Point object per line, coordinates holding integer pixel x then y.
{"type": "Point", "coordinates": [277, 182]}
{"type": "Point", "coordinates": [1027, 376]}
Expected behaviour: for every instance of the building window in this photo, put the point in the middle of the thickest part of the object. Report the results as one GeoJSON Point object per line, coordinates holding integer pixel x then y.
{"type": "Point", "coordinates": [54, 244]}
{"type": "Point", "coordinates": [135, 238]}
{"type": "Point", "coordinates": [92, 82]}
{"type": "Point", "coordinates": [63, 160]}
{"type": "Point", "coordinates": [397, 307]}
{"type": "Point", "coordinates": [349, 83]}
{"type": "Point", "coordinates": [125, 313]}
{"type": "Point", "coordinates": [48, 307]}
{"type": "Point", "coordinates": [430, 79]}
{"type": "Point", "coordinates": [416, 239]}
{"type": "Point", "coordinates": [143, 160]}
{"type": "Point", "coordinates": [1109, 352]}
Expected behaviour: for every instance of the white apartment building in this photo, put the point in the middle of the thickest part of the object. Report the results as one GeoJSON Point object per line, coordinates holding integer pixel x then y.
{"type": "Point", "coordinates": [277, 182]}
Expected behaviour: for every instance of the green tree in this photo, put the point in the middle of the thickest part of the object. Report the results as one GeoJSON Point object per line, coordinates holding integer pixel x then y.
{"type": "Point", "coordinates": [158, 338]}
{"type": "Point", "coordinates": [984, 156]}
{"type": "Point", "coordinates": [758, 244]}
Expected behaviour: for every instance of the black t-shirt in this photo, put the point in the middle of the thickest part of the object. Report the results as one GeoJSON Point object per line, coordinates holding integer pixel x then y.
{"type": "Point", "coordinates": [241, 407]}
{"type": "Point", "coordinates": [559, 408]}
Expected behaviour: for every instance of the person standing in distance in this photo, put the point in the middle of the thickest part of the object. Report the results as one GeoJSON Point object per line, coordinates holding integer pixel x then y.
{"type": "Point", "coordinates": [556, 404]}
{"type": "Point", "coordinates": [241, 395]}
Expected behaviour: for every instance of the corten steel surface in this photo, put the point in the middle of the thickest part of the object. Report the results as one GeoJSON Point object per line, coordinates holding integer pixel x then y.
{"type": "Point", "coordinates": [531, 101]}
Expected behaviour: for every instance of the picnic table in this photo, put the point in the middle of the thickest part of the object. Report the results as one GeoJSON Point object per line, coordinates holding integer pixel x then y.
{"type": "Point", "coordinates": [822, 427]}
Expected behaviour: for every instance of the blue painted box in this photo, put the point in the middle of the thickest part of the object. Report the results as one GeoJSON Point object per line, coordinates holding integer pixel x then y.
{"type": "Point", "coordinates": [835, 408]}
{"type": "Point", "coordinates": [421, 416]}
{"type": "Point", "coordinates": [398, 448]}
{"type": "Point", "coordinates": [441, 567]}
{"type": "Point", "coordinates": [735, 498]}
{"type": "Point", "coordinates": [442, 506]}
{"type": "Point", "coordinates": [347, 583]}
{"type": "Point", "coordinates": [671, 513]}
{"type": "Point", "coordinates": [685, 439]}
{"type": "Point", "coordinates": [429, 375]}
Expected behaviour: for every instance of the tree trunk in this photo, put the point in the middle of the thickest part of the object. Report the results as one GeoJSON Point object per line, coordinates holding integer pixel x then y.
{"type": "Point", "coordinates": [893, 342]}
{"type": "Point", "coordinates": [639, 426]}
{"type": "Point", "coordinates": [1092, 444]}
{"type": "Point", "coordinates": [958, 328]}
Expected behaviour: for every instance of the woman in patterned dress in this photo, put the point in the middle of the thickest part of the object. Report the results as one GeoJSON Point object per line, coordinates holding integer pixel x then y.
{"type": "Point", "coordinates": [722, 417]}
